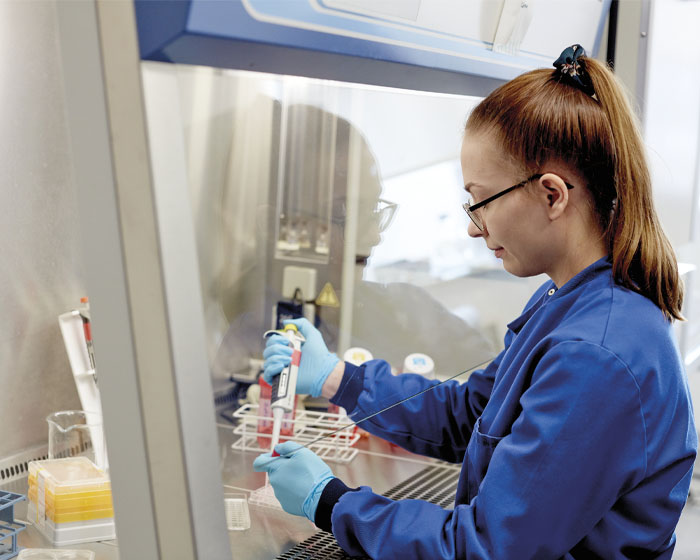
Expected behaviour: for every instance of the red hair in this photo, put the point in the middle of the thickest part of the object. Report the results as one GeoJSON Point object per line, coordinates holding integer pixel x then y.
{"type": "Point", "coordinates": [537, 118]}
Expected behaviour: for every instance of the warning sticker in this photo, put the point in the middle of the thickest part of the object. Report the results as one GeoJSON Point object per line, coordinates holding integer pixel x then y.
{"type": "Point", "coordinates": [327, 297]}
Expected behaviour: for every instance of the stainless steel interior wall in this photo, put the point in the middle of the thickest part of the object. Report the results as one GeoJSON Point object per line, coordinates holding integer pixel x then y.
{"type": "Point", "coordinates": [228, 136]}
{"type": "Point", "coordinates": [42, 270]}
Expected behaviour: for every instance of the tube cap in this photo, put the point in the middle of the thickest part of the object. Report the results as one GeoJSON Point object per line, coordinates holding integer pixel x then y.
{"type": "Point", "coordinates": [421, 364]}
{"type": "Point", "coordinates": [357, 356]}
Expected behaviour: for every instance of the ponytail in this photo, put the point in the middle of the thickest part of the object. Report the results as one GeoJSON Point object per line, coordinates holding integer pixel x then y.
{"type": "Point", "coordinates": [537, 117]}
{"type": "Point", "coordinates": [642, 256]}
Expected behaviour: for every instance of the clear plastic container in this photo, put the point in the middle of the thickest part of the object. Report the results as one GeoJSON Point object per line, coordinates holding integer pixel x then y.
{"type": "Point", "coordinates": [55, 554]}
{"type": "Point", "coordinates": [237, 514]}
{"type": "Point", "coordinates": [76, 433]}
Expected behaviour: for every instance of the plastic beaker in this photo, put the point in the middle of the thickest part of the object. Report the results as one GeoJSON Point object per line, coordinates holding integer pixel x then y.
{"type": "Point", "coordinates": [77, 433]}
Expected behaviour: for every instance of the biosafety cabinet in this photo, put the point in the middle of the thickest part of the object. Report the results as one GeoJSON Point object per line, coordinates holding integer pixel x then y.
{"type": "Point", "coordinates": [243, 161]}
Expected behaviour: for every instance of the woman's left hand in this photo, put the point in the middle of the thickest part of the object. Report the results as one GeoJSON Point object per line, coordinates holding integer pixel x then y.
{"type": "Point", "coordinates": [298, 477]}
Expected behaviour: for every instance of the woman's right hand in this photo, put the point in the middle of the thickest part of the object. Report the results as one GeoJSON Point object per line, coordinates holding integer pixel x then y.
{"type": "Point", "coordinates": [316, 361]}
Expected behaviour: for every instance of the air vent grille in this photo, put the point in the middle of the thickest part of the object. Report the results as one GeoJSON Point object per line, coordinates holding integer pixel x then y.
{"type": "Point", "coordinates": [15, 467]}
{"type": "Point", "coordinates": [436, 484]}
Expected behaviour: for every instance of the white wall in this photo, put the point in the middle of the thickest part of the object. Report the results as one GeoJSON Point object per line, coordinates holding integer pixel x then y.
{"type": "Point", "coordinates": [672, 112]}
{"type": "Point", "coordinates": [41, 273]}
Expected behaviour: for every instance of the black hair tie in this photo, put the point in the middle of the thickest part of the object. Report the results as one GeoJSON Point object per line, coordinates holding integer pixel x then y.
{"type": "Point", "coordinates": [571, 69]}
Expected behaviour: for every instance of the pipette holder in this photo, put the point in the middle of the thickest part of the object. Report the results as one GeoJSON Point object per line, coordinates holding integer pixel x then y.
{"type": "Point", "coordinates": [71, 325]}
{"type": "Point", "coordinates": [309, 426]}
{"type": "Point", "coordinates": [9, 528]}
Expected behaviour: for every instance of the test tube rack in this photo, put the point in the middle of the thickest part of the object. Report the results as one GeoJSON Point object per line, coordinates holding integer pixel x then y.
{"type": "Point", "coordinates": [308, 426]}
{"type": "Point", "coordinates": [265, 497]}
{"type": "Point", "coordinates": [9, 528]}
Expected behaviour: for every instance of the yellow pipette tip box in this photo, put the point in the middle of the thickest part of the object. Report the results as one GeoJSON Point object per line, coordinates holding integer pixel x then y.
{"type": "Point", "coordinates": [70, 500]}
{"type": "Point", "coordinates": [69, 475]}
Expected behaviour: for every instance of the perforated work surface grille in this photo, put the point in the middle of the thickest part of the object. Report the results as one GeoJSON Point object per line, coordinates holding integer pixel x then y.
{"type": "Point", "coordinates": [436, 484]}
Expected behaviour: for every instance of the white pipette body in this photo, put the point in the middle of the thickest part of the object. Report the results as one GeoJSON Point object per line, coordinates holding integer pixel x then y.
{"type": "Point", "coordinates": [284, 386]}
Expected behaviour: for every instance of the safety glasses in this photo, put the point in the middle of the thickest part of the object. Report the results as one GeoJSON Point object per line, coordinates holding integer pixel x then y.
{"type": "Point", "coordinates": [472, 209]}
{"type": "Point", "coordinates": [384, 211]}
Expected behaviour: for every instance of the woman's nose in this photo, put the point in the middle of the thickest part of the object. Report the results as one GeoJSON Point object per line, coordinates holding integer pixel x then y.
{"type": "Point", "coordinates": [474, 231]}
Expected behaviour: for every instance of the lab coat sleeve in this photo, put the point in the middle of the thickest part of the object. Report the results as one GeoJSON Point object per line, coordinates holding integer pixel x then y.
{"type": "Point", "coordinates": [577, 445]}
{"type": "Point", "coordinates": [437, 423]}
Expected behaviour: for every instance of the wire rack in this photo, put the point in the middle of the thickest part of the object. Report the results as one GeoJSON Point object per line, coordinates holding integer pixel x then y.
{"type": "Point", "coordinates": [338, 433]}
{"type": "Point", "coordinates": [436, 484]}
{"type": "Point", "coordinates": [265, 497]}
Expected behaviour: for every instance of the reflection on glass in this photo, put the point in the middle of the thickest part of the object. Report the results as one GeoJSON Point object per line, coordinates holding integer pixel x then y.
{"type": "Point", "coordinates": [305, 187]}
{"type": "Point", "coordinates": [355, 188]}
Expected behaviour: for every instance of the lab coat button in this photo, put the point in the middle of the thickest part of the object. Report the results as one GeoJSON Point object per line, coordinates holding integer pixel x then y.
{"type": "Point", "coordinates": [551, 292]}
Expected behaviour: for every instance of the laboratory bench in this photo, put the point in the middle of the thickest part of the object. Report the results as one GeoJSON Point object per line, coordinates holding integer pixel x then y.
{"type": "Point", "coordinates": [273, 533]}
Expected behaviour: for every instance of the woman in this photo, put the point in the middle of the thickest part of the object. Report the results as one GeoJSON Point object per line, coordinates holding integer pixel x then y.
{"type": "Point", "coordinates": [578, 440]}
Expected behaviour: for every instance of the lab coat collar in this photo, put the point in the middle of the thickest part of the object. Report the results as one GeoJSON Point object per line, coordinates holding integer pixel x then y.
{"type": "Point", "coordinates": [549, 291]}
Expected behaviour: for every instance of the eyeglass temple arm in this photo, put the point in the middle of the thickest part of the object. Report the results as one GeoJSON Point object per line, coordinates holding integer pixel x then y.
{"type": "Point", "coordinates": [539, 175]}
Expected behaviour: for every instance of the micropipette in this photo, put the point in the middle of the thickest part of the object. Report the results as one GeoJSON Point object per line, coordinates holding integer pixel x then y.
{"type": "Point", "coordinates": [284, 386]}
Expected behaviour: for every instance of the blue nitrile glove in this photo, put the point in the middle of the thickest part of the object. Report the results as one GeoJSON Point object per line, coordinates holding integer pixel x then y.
{"type": "Point", "coordinates": [316, 361]}
{"type": "Point", "coordinates": [298, 477]}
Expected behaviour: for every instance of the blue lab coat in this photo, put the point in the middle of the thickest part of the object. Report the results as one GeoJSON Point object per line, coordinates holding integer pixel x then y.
{"type": "Point", "coordinates": [577, 441]}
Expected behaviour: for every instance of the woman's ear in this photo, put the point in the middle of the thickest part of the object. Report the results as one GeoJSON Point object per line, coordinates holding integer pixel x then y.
{"type": "Point", "coordinates": [552, 188]}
